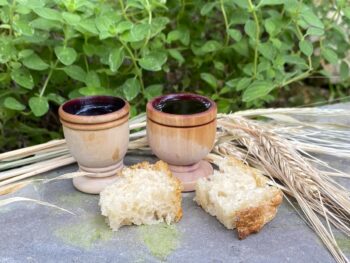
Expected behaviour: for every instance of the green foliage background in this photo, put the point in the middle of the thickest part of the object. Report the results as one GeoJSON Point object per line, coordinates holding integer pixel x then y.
{"type": "Point", "coordinates": [241, 53]}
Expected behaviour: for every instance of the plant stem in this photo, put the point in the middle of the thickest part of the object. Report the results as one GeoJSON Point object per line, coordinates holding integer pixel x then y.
{"type": "Point", "coordinates": [296, 78]}
{"type": "Point", "coordinates": [149, 11]}
{"type": "Point", "coordinates": [47, 79]}
{"type": "Point", "coordinates": [256, 20]}
{"type": "Point", "coordinates": [225, 20]}
{"type": "Point", "coordinates": [12, 7]}
{"type": "Point", "coordinates": [133, 59]}
{"type": "Point", "coordinates": [123, 10]}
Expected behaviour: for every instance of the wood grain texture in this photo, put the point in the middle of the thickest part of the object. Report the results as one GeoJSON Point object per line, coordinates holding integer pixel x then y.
{"type": "Point", "coordinates": [178, 120]}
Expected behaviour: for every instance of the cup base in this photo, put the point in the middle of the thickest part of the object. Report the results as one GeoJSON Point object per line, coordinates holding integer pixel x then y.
{"type": "Point", "coordinates": [189, 175]}
{"type": "Point", "coordinates": [94, 184]}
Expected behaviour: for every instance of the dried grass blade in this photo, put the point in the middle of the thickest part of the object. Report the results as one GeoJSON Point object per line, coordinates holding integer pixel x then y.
{"type": "Point", "coordinates": [20, 153]}
{"type": "Point", "coordinates": [9, 189]}
{"type": "Point", "coordinates": [67, 176]}
{"type": "Point", "coordinates": [51, 166]}
{"type": "Point", "coordinates": [282, 161]}
{"type": "Point", "coordinates": [34, 159]}
{"type": "Point", "coordinates": [32, 167]}
{"type": "Point", "coordinates": [7, 201]}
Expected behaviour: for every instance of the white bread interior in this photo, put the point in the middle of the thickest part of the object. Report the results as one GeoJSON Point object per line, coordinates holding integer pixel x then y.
{"type": "Point", "coordinates": [144, 194]}
{"type": "Point", "coordinates": [239, 197]}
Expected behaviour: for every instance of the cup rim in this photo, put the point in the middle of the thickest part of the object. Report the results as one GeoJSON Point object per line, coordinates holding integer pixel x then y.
{"type": "Point", "coordinates": [181, 120]}
{"type": "Point", "coordinates": [93, 119]}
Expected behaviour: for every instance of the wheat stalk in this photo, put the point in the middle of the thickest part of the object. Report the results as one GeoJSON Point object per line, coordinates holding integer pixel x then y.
{"type": "Point", "coordinates": [256, 143]}
{"type": "Point", "coordinates": [315, 192]}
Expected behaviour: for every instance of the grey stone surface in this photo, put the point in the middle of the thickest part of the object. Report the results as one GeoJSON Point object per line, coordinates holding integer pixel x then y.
{"type": "Point", "coordinates": [33, 233]}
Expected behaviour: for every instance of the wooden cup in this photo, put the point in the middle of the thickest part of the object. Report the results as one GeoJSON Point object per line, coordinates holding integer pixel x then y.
{"type": "Point", "coordinates": [99, 141]}
{"type": "Point", "coordinates": [183, 140]}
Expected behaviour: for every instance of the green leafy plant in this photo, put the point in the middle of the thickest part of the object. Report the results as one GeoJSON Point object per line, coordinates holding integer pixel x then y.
{"type": "Point", "coordinates": [242, 53]}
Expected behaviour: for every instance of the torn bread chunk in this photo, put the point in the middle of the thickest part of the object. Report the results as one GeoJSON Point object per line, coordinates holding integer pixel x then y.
{"type": "Point", "coordinates": [144, 194]}
{"type": "Point", "coordinates": [239, 197]}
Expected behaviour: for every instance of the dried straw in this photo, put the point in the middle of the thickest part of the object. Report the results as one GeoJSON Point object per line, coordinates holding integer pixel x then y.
{"type": "Point", "coordinates": [315, 192]}
{"type": "Point", "coordinates": [21, 199]}
{"type": "Point", "coordinates": [283, 148]}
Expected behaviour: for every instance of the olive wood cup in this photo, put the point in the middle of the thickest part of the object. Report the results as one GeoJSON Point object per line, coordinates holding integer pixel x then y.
{"type": "Point", "coordinates": [96, 130]}
{"type": "Point", "coordinates": [180, 138]}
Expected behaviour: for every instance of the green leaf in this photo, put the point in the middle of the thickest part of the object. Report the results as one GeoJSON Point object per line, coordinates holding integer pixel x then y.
{"type": "Point", "coordinates": [271, 2]}
{"type": "Point", "coordinates": [207, 8]}
{"type": "Point", "coordinates": [219, 65]}
{"type": "Point", "coordinates": [32, 3]}
{"type": "Point", "coordinates": [306, 47]}
{"type": "Point", "coordinates": [153, 91]}
{"type": "Point", "coordinates": [182, 34]}
{"type": "Point", "coordinates": [257, 89]}
{"type": "Point", "coordinates": [35, 62]}
{"type": "Point", "coordinates": [15, 65]}
{"type": "Point", "coordinates": [131, 88]}
{"type": "Point", "coordinates": [158, 24]}
{"type": "Point", "coordinates": [103, 23]}
{"type": "Point", "coordinates": [264, 66]}
{"type": "Point", "coordinates": [346, 11]}
{"type": "Point", "coordinates": [270, 26]}
{"type": "Point", "coordinates": [241, 3]}
{"type": "Point", "coordinates": [235, 34]}
{"type": "Point", "coordinates": [211, 46]}
{"type": "Point", "coordinates": [116, 58]}
{"type": "Point", "coordinates": [44, 24]}
{"type": "Point", "coordinates": [329, 55]}
{"type": "Point", "coordinates": [66, 55]}
{"type": "Point", "coordinates": [243, 83]}
{"type": "Point", "coordinates": [3, 2]}
{"type": "Point", "coordinates": [7, 51]}
{"type": "Point", "coordinates": [174, 53]}
{"type": "Point", "coordinates": [91, 91]}
{"type": "Point", "coordinates": [136, 33]}
{"type": "Point", "coordinates": [23, 28]}
{"type": "Point", "coordinates": [88, 25]}
{"type": "Point", "coordinates": [92, 79]}
{"type": "Point", "coordinates": [123, 26]}
{"type": "Point", "coordinates": [311, 19]}
{"type": "Point", "coordinates": [23, 78]}
{"type": "Point", "coordinates": [13, 104]}
{"type": "Point", "coordinates": [153, 61]}
{"type": "Point", "coordinates": [267, 50]}
{"type": "Point", "coordinates": [70, 18]}
{"type": "Point", "coordinates": [223, 106]}
{"type": "Point", "coordinates": [210, 79]}
{"type": "Point", "coordinates": [232, 83]}
{"type": "Point", "coordinates": [250, 29]}
{"type": "Point", "coordinates": [25, 53]}
{"type": "Point", "coordinates": [48, 13]}
{"type": "Point", "coordinates": [56, 98]}
{"type": "Point", "coordinates": [38, 105]}
{"type": "Point", "coordinates": [75, 72]}
{"type": "Point", "coordinates": [344, 70]}
{"type": "Point", "coordinates": [314, 31]}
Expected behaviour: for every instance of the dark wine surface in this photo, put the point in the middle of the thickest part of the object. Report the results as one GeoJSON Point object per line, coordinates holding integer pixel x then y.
{"type": "Point", "coordinates": [94, 105]}
{"type": "Point", "coordinates": [183, 106]}
{"type": "Point", "coordinates": [93, 110]}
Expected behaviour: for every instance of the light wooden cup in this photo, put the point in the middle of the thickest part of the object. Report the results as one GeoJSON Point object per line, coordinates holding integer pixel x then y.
{"type": "Point", "coordinates": [97, 142]}
{"type": "Point", "coordinates": [183, 140]}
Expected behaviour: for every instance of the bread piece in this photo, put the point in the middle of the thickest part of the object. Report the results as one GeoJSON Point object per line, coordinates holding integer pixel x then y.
{"type": "Point", "coordinates": [144, 194]}
{"type": "Point", "coordinates": [239, 197]}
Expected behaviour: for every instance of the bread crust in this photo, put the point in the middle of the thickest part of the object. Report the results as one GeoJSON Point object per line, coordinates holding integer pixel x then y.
{"type": "Point", "coordinates": [251, 220]}
{"type": "Point", "coordinates": [252, 217]}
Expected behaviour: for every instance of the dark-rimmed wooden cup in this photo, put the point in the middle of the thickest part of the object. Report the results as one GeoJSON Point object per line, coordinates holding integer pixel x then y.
{"type": "Point", "coordinates": [183, 140]}
{"type": "Point", "coordinates": [96, 130]}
